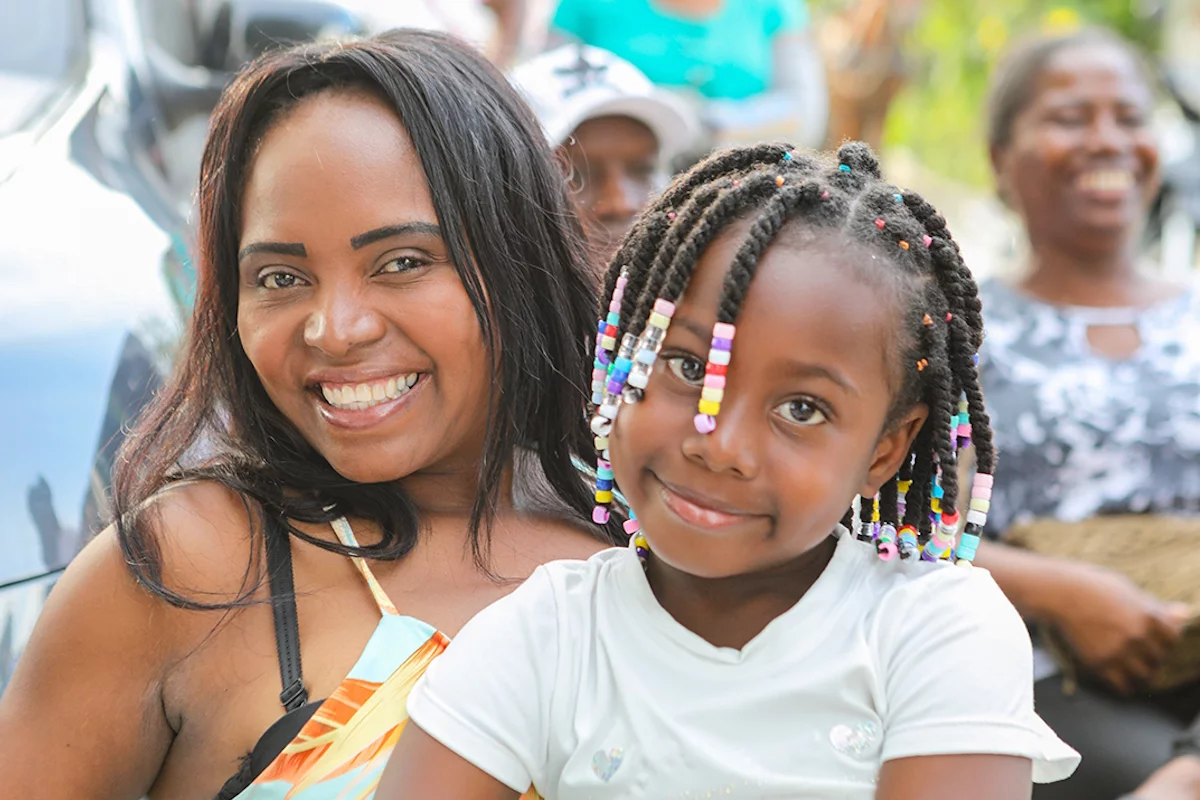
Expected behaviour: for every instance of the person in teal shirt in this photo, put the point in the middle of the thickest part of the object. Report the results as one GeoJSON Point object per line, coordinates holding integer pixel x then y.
{"type": "Point", "coordinates": [750, 64]}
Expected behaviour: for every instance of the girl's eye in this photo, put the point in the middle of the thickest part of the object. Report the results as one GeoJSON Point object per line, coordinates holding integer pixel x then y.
{"type": "Point", "coordinates": [279, 280]}
{"type": "Point", "coordinates": [401, 264]}
{"type": "Point", "coordinates": [688, 369]}
{"type": "Point", "coordinates": [801, 412]}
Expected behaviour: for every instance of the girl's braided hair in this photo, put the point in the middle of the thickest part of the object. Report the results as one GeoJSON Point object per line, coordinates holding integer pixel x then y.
{"type": "Point", "coordinates": [942, 327]}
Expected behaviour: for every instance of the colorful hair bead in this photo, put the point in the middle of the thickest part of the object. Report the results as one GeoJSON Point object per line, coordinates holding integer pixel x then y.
{"type": "Point", "coordinates": [927, 240]}
{"type": "Point", "coordinates": [938, 546]}
{"type": "Point", "coordinates": [844, 167]}
{"type": "Point", "coordinates": [981, 500]}
{"type": "Point", "coordinates": [908, 542]}
{"type": "Point", "coordinates": [879, 224]}
{"type": "Point", "coordinates": [787, 156]}
{"type": "Point", "coordinates": [714, 391]}
{"type": "Point", "coordinates": [779, 181]}
{"type": "Point", "coordinates": [903, 245]}
{"type": "Point", "coordinates": [631, 525]}
{"type": "Point", "coordinates": [825, 195]}
{"type": "Point", "coordinates": [602, 423]}
{"type": "Point", "coordinates": [968, 544]}
{"type": "Point", "coordinates": [606, 338]}
{"type": "Point", "coordinates": [648, 346]}
{"type": "Point", "coordinates": [899, 198]}
{"type": "Point", "coordinates": [885, 543]}
{"type": "Point", "coordinates": [641, 547]}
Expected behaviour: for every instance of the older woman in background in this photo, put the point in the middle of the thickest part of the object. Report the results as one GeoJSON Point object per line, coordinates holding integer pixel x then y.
{"type": "Point", "coordinates": [1092, 371]}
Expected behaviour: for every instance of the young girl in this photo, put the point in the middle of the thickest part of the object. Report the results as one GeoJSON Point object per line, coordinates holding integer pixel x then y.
{"type": "Point", "coordinates": [811, 331]}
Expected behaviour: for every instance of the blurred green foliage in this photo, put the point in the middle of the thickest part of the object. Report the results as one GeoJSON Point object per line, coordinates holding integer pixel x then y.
{"type": "Point", "coordinates": [940, 114]}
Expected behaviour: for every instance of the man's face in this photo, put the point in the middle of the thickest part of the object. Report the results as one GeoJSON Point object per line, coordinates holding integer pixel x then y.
{"type": "Point", "coordinates": [614, 167]}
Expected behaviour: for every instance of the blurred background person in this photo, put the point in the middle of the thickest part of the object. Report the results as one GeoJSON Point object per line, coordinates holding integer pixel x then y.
{"type": "Point", "coordinates": [615, 132]}
{"type": "Point", "coordinates": [1091, 367]}
{"type": "Point", "coordinates": [862, 45]}
{"type": "Point", "coordinates": [750, 66]}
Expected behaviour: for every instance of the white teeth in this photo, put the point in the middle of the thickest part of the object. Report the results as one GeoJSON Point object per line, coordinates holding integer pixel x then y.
{"type": "Point", "coordinates": [357, 397]}
{"type": "Point", "coordinates": [1109, 180]}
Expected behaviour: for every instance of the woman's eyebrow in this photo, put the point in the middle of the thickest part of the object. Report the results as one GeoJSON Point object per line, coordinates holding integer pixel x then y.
{"type": "Point", "coordinates": [275, 248]}
{"type": "Point", "coordinates": [370, 237]}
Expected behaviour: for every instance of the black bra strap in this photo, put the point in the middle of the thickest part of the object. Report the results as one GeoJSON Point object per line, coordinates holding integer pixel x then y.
{"type": "Point", "coordinates": [287, 628]}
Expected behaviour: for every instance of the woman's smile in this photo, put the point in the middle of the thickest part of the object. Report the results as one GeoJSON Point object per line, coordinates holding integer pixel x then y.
{"type": "Point", "coordinates": [359, 406]}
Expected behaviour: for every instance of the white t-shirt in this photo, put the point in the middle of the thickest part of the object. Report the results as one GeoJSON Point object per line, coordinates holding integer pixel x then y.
{"type": "Point", "coordinates": [580, 683]}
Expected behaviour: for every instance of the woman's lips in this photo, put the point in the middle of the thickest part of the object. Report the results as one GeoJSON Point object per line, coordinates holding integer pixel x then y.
{"type": "Point", "coordinates": [365, 415]}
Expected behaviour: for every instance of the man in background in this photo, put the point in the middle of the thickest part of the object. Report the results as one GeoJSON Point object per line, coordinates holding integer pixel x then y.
{"type": "Point", "coordinates": [616, 132]}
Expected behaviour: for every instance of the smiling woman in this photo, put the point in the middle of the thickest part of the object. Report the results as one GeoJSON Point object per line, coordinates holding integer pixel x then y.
{"type": "Point", "coordinates": [1092, 369]}
{"type": "Point", "coordinates": [370, 435]}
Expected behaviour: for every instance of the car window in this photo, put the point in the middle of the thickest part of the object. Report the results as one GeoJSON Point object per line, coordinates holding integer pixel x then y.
{"type": "Point", "coordinates": [41, 48]}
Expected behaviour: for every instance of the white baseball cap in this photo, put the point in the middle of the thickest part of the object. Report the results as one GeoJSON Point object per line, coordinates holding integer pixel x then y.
{"type": "Point", "coordinates": [574, 83]}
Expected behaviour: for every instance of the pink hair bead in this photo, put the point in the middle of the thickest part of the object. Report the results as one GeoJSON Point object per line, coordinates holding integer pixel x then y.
{"type": "Point", "coordinates": [714, 381]}
{"type": "Point", "coordinates": [664, 307]}
{"type": "Point", "coordinates": [704, 423]}
{"type": "Point", "coordinates": [981, 492]}
{"type": "Point", "coordinates": [887, 551]}
{"type": "Point", "coordinates": [982, 480]}
{"type": "Point", "coordinates": [927, 240]}
{"type": "Point", "coordinates": [723, 330]}
{"type": "Point", "coordinates": [631, 526]}
{"type": "Point", "coordinates": [600, 515]}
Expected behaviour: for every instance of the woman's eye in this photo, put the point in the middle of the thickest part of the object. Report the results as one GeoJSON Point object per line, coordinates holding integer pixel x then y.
{"type": "Point", "coordinates": [688, 369]}
{"type": "Point", "coordinates": [279, 280]}
{"type": "Point", "coordinates": [801, 412]}
{"type": "Point", "coordinates": [401, 264]}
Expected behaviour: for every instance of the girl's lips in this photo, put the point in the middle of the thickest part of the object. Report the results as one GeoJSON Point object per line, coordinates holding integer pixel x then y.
{"type": "Point", "coordinates": [366, 418]}
{"type": "Point", "coordinates": [697, 513]}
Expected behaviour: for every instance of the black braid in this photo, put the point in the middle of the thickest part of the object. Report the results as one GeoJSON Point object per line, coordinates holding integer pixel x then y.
{"type": "Point", "coordinates": [939, 310]}
{"type": "Point", "coordinates": [889, 495]}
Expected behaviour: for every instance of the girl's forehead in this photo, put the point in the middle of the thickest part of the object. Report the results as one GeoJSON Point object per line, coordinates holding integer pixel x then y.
{"type": "Point", "coordinates": [808, 300]}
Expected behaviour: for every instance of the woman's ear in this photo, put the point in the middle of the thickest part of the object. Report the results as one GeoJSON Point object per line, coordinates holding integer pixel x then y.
{"type": "Point", "coordinates": [893, 447]}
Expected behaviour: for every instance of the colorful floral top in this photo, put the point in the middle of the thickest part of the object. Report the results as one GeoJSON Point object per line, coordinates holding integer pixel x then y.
{"type": "Point", "coordinates": [341, 751]}
{"type": "Point", "coordinates": [1079, 434]}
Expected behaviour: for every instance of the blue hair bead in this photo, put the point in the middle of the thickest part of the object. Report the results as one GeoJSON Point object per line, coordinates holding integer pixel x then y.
{"type": "Point", "coordinates": [844, 167]}
{"type": "Point", "coordinates": [604, 484]}
{"type": "Point", "coordinates": [967, 546]}
{"type": "Point", "coordinates": [787, 156]}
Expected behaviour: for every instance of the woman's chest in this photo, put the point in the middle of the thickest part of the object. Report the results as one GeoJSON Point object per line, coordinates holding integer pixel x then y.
{"type": "Point", "coordinates": [1045, 390]}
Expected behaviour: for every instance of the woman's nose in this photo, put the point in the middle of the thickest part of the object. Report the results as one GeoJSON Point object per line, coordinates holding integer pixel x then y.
{"type": "Point", "coordinates": [342, 320]}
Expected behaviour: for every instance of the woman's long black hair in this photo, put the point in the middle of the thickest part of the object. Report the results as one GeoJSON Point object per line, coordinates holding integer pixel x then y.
{"type": "Point", "coordinates": [495, 186]}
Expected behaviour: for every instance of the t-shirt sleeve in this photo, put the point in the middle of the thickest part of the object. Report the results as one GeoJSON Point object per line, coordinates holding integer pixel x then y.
{"type": "Point", "coordinates": [570, 17]}
{"type": "Point", "coordinates": [488, 696]}
{"type": "Point", "coordinates": [783, 17]}
{"type": "Point", "coordinates": [957, 675]}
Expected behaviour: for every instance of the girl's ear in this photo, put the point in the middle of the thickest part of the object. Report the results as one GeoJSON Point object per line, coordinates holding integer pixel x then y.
{"type": "Point", "coordinates": [893, 448]}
